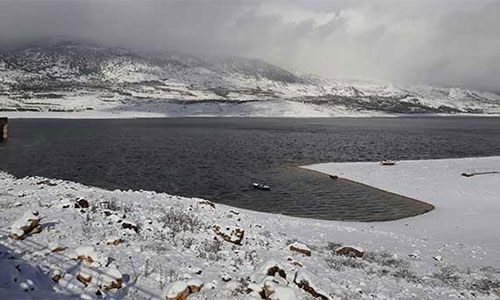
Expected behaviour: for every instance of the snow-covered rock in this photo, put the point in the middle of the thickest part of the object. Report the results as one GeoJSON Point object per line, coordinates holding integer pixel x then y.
{"type": "Point", "coordinates": [194, 285]}
{"type": "Point", "coordinates": [304, 281]}
{"type": "Point", "coordinates": [301, 248]}
{"type": "Point", "coordinates": [111, 278]}
{"type": "Point", "coordinates": [55, 247]}
{"type": "Point", "coordinates": [178, 290]}
{"type": "Point", "coordinates": [272, 268]}
{"type": "Point", "coordinates": [282, 293]}
{"type": "Point", "coordinates": [27, 224]}
{"type": "Point", "coordinates": [232, 234]}
{"type": "Point", "coordinates": [115, 241]}
{"type": "Point", "coordinates": [84, 278]}
{"type": "Point", "coordinates": [353, 251]}
{"type": "Point", "coordinates": [274, 291]}
{"type": "Point", "coordinates": [90, 255]}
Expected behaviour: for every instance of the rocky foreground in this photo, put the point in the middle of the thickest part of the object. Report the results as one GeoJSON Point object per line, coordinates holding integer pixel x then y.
{"type": "Point", "coordinates": [60, 239]}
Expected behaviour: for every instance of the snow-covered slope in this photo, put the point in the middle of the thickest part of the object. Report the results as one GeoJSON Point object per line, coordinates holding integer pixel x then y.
{"type": "Point", "coordinates": [78, 240]}
{"type": "Point", "coordinates": [69, 77]}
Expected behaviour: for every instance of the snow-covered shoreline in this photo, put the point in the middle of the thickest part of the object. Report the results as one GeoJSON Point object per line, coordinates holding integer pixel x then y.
{"type": "Point", "coordinates": [164, 239]}
{"type": "Point", "coordinates": [262, 114]}
{"type": "Point", "coordinates": [466, 208]}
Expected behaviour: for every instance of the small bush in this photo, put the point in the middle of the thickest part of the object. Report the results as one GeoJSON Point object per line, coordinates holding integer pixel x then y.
{"type": "Point", "coordinates": [448, 275]}
{"type": "Point", "coordinates": [179, 221]}
{"type": "Point", "coordinates": [211, 250]}
{"type": "Point", "coordinates": [407, 274]}
{"type": "Point", "coordinates": [486, 286]}
{"type": "Point", "coordinates": [386, 259]}
{"type": "Point", "coordinates": [340, 262]}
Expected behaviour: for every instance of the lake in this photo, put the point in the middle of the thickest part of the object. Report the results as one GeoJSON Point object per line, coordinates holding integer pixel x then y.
{"type": "Point", "coordinates": [219, 158]}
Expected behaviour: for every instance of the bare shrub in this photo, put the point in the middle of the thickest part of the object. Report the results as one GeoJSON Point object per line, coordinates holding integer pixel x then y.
{"type": "Point", "coordinates": [406, 274]}
{"type": "Point", "coordinates": [251, 256]}
{"type": "Point", "coordinates": [211, 250]}
{"type": "Point", "coordinates": [332, 246]}
{"type": "Point", "coordinates": [489, 269]}
{"type": "Point", "coordinates": [187, 242]}
{"type": "Point", "coordinates": [386, 259]}
{"type": "Point", "coordinates": [115, 205]}
{"type": "Point", "coordinates": [340, 262]}
{"type": "Point", "coordinates": [111, 204]}
{"type": "Point", "coordinates": [127, 207]}
{"type": "Point", "coordinates": [486, 286]}
{"type": "Point", "coordinates": [242, 288]}
{"type": "Point", "coordinates": [88, 228]}
{"type": "Point", "coordinates": [266, 234]}
{"type": "Point", "coordinates": [448, 275]}
{"type": "Point", "coordinates": [179, 221]}
{"type": "Point", "coordinates": [4, 204]}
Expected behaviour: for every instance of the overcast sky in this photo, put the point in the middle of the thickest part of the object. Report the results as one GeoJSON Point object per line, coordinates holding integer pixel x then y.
{"type": "Point", "coordinates": [440, 42]}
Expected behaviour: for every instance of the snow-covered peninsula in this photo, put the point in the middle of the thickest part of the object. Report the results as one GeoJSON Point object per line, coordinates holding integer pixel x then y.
{"type": "Point", "coordinates": [93, 243]}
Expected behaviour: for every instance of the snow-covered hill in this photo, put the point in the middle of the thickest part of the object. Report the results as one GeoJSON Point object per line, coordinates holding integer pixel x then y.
{"type": "Point", "coordinates": [69, 77]}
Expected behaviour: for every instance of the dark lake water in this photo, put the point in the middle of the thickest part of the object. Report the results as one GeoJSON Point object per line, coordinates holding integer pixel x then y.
{"type": "Point", "coordinates": [219, 158]}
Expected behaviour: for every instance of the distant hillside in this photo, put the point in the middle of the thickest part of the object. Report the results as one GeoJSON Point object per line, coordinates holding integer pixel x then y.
{"type": "Point", "coordinates": [69, 76]}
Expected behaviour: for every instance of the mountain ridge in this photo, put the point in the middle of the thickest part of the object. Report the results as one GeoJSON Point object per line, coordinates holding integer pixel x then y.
{"type": "Point", "coordinates": [68, 76]}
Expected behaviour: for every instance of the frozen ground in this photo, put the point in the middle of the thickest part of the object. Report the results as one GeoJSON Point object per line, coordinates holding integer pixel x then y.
{"type": "Point", "coordinates": [158, 244]}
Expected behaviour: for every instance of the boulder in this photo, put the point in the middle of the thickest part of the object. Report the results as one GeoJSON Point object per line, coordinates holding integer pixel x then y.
{"type": "Point", "coordinates": [84, 278]}
{"type": "Point", "coordinates": [27, 224]}
{"type": "Point", "coordinates": [226, 277]}
{"type": "Point", "coordinates": [294, 262]}
{"type": "Point", "coordinates": [178, 290]}
{"type": "Point", "coordinates": [274, 291]}
{"type": "Point", "coordinates": [113, 241]}
{"type": "Point", "coordinates": [54, 247]}
{"type": "Point", "coordinates": [303, 281]}
{"type": "Point", "coordinates": [87, 254]}
{"type": "Point", "coordinates": [271, 268]}
{"type": "Point", "coordinates": [112, 278]}
{"type": "Point", "coordinates": [232, 234]}
{"type": "Point", "coordinates": [194, 285]}
{"type": "Point", "coordinates": [81, 203]}
{"type": "Point", "coordinates": [56, 276]}
{"type": "Point", "coordinates": [90, 255]}
{"type": "Point", "coordinates": [47, 182]}
{"type": "Point", "coordinates": [206, 203]}
{"type": "Point", "coordinates": [352, 251]}
{"type": "Point", "coordinates": [130, 225]}
{"type": "Point", "coordinates": [301, 248]}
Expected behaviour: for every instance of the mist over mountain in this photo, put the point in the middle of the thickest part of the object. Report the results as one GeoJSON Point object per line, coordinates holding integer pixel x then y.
{"type": "Point", "coordinates": [66, 75]}
{"type": "Point", "coordinates": [446, 42]}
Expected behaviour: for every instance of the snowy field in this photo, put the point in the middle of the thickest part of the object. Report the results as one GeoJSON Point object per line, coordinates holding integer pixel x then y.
{"type": "Point", "coordinates": [467, 209]}
{"type": "Point", "coordinates": [83, 241]}
{"type": "Point", "coordinates": [166, 109]}
{"type": "Point", "coordinates": [264, 109]}
{"type": "Point", "coordinates": [256, 109]}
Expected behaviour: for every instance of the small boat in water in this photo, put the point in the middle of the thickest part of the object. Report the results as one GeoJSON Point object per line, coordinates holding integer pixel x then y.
{"type": "Point", "coordinates": [261, 186]}
{"type": "Point", "coordinates": [387, 162]}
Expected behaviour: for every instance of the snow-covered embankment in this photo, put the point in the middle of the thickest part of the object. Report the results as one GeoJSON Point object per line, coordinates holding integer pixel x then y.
{"type": "Point", "coordinates": [89, 242]}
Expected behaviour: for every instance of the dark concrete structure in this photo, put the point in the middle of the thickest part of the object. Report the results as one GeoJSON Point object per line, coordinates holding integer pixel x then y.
{"type": "Point", "coordinates": [3, 129]}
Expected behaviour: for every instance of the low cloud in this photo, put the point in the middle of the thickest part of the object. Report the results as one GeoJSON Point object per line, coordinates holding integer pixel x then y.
{"type": "Point", "coordinates": [439, 42]}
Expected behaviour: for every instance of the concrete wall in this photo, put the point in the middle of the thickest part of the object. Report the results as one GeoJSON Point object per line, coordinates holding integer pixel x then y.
{"type": "Point", "coordinates": [3, 129]}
